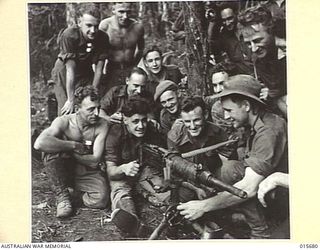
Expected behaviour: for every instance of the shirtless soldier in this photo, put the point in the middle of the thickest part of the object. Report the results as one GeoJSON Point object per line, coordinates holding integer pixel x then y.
{"type": "Point", "coordinates": [76, 141]}
{"type": "Point", "coordinates": [127, 43]}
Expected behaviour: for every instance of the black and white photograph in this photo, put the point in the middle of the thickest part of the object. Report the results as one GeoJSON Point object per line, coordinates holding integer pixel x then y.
{"type": "Point", "coordinates": [158, 120]}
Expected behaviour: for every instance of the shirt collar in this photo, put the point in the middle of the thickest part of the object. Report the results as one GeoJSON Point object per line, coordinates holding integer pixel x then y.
{"type": "Point", "coordinates": [259, 122]}
{"type": "Point", "coordinates": [82, 40]}
{"type": "Point", "coordinates": [207, 132]}
{"type": "Point", "coordinates": [122, 90]}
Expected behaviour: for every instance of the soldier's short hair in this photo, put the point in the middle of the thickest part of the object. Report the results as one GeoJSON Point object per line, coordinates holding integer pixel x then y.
{"type": "Point", "coordinates": [83, 92]}
{"type": "Point", "coordinates": [188, 104]}
{"type": "Point", "coordinates": [90, 9]}
{"type": "Point", "coordinates": [151, 49]}
{"type": "Point", "coordinates": [256, 15]}
{"type": "Point", "coordinates": [139, 71]}
{"type": "Point", "coordinates": [136, 105]}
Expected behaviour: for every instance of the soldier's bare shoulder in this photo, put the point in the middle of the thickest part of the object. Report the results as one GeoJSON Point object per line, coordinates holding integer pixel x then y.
{"type": "Point", "coordinates": [105, 23]}
{"type": "Point", "coordinates": [137, 25]}
{"type": "Point", "coordinates": [64, 119]}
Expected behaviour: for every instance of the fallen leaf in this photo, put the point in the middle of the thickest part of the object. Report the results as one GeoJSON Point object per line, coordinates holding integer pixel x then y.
{"type": "Point", "coordinates": [40, 206]}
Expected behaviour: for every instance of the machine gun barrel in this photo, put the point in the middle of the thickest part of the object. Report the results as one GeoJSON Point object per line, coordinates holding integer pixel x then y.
{"type": "Point", "coordinates": [193, 172]}
{"type": "Point", "coordinates": [206, 149]}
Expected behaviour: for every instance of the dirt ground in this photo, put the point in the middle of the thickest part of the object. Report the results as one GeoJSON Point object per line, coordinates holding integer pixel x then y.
{"type": "Point", "coordinates": [91, 224]}
{"type": "Point", "coordinates": [85, 225]}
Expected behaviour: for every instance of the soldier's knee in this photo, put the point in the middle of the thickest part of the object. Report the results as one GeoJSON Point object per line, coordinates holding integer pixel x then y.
{"type": "Point", "coordinates": [96, 200]}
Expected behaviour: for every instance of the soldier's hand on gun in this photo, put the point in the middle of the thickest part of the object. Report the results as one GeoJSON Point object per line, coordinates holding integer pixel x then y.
{"type": "Point", "coordinates": [67, 108]}
{"type": "Point", "coordinates": [201, 194]}
{"type": "Point", "coordinates": [116, 117]}
{"type": "Point", "coordinates": [191, 210]}
{"type": "Point", "coordinates": [131, 168]}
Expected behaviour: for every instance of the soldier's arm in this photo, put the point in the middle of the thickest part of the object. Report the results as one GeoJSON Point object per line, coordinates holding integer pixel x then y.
{"type": "Point", "coordinates": [92, 160]}
{"type": "Point", "coordinates": [70, 85]}
{"type": "Point", "coordinates": [50, 141]}
{"type": "Point", "coordinates": [140, 44]}
{"type": "Point", "coordinates": [108, 108]}
{"type": "Point", "coordinates": [195, 209]}
{"type": "Point", "coordinates": [97, 74]}
{"type": "Point", "coordinates": [270, 183]}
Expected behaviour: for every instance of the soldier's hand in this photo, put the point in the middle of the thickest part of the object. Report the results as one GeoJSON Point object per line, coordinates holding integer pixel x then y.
{"type": "Point", "coordinates": [191, 210]}
{"type": "Point", "coordinates": [177, 122]}
{"type": "Point", "coordinates": [67, 108]}
{"type": "Point", "coordinates": [201, 194]}
{"type": "Point", "coordinates": [264, 93]}
{"type": "Point", "coordinates": [154, 123]}
{"type": "Point", "coordinates": [116, 117]}
{"type": "Point", "coordinates": [131, 168]}
{"type": "Point", "coordinates": [80, 148]}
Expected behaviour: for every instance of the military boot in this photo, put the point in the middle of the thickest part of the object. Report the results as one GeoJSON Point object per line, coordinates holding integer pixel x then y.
{"type": "Point", "coordinates": [57, 174]}
{"type": "Point", "coordinates": [124, 216]}
{"type": "Point", "coordinates": [64, 206]}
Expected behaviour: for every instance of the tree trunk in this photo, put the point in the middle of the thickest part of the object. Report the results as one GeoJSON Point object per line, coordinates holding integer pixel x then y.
{"type": "Point", "coordinates": [71, 14]}
{"type": "Point", "coordinates": [196, 47]}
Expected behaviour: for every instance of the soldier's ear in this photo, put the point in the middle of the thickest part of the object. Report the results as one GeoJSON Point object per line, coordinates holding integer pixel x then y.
{"type": "Point", "coordinates": [125, 120]}
{"type": "Point", "coordinates": [79, 21]}
{"type": "Point", "coordinates": [206, 115]}
{"type": "Point", "coordinates": [145, 62]}
{"type": "Point", "coordinates": [247, 105]}
{"type": "Point", "coordinates": [113, 10]}
{"type": "Point", "coordinates": [76, 108]}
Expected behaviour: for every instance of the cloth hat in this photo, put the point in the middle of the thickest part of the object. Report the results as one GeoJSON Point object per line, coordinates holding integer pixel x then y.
{"type": "Point", "coordinates": [164, 86]}
{"type": "Point", "coordinates": [245, 85]}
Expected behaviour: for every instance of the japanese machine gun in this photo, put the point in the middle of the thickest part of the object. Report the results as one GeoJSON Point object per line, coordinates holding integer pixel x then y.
{"type": "Point", "coordinates": [174, 164]}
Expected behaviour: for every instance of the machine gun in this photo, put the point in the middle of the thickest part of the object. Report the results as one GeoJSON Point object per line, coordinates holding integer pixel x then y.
{"type": "Point", "coordinates": [174, 164]}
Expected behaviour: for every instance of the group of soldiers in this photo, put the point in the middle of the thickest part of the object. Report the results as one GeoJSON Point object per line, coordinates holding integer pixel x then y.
{"type": "Point", "coordinates": [108, 107]}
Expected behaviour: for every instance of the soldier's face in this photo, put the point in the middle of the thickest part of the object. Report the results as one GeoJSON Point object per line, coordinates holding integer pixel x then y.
{"type": "Point", "coordinates": [194, 121]}
{"type": "Point", "coordinates": [259, 40]}
{"type": "Point", "coordinates": [136, 84]}
{"type": "Point", "coordinates": [89, 110]}
{"type": "Point", "coordinates": [228, 19]}
{"type": "Point", "coordinates": [217, 81]}
{"type": "Point", "coordinates": [169, 100]}
{"type": "Point", "coordinates": [89, 26]}
{"type": "Point", "coordinates": [237, 113]}
{"type": "Point", "coordinates": [153, 62]}
{"type": "Point", "coordinates": [136, 124]}
{"type": "Point", "coordinates": [122, 12]}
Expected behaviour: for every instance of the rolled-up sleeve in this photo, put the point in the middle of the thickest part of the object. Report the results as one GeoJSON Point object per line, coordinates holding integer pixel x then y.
{"type": "Point", "coordinates": [112, 146]}
{"type": "Point", "coordinates": [108, 101]}
{"type": "Point", "coordinates": [68, 42]}
{"type": "Point", "coordinates": [266, 152]}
